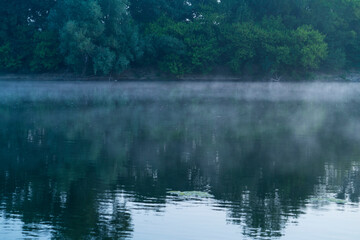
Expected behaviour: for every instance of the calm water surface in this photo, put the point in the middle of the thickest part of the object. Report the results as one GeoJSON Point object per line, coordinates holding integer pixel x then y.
{"type": "Point", "coordinates": [97, 160]}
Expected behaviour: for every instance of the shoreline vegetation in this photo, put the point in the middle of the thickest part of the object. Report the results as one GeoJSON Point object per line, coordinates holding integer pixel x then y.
{"type": "Point", "coordinates": [184, 40]}
{"type": "Point", "coordinates": [134, 75]}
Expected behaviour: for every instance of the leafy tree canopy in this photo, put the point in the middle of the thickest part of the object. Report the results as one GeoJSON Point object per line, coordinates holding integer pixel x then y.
{"type": "Point", "coordinates": [108, 36]}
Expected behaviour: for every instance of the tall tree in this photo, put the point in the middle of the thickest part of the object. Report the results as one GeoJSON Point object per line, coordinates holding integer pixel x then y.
{"type": "Point", "coordinates": [19, 21]}
{"type": "Point", "coordinates": [96, 35]}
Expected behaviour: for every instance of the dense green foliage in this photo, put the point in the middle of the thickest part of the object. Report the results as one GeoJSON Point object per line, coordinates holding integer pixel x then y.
{"type": "Point", "coordinates": [179, 37]}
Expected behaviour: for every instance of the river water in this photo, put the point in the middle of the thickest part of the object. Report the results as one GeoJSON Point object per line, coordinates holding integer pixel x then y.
{"type": "Point", "coordinates": [95, 160]}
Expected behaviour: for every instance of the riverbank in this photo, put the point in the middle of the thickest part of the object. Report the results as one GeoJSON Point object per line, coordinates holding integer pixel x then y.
{"type": "Point", "coordinates": [348, 76]}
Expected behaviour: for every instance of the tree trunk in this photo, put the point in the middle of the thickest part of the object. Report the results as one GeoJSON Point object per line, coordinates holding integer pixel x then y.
{"type": "Point", "coordinates": [86, 59]}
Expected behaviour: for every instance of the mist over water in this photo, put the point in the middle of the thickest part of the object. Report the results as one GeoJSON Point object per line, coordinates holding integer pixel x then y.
{"type": "Point", "coordinates": [97, 160]}
{"type": "Point", "coordinates": [114, 92]}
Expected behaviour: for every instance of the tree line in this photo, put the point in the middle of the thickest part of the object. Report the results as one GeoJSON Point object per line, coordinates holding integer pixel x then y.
{"type": "Point", "coordinates": [104, 37]}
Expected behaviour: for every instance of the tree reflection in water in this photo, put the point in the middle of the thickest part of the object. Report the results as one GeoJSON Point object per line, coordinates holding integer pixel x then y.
{"type": "Point", "coordinates": [75, 169]}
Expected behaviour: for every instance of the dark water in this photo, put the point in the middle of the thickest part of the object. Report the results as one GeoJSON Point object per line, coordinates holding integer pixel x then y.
{"type": "Point", "coordinates": [96, 160]}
